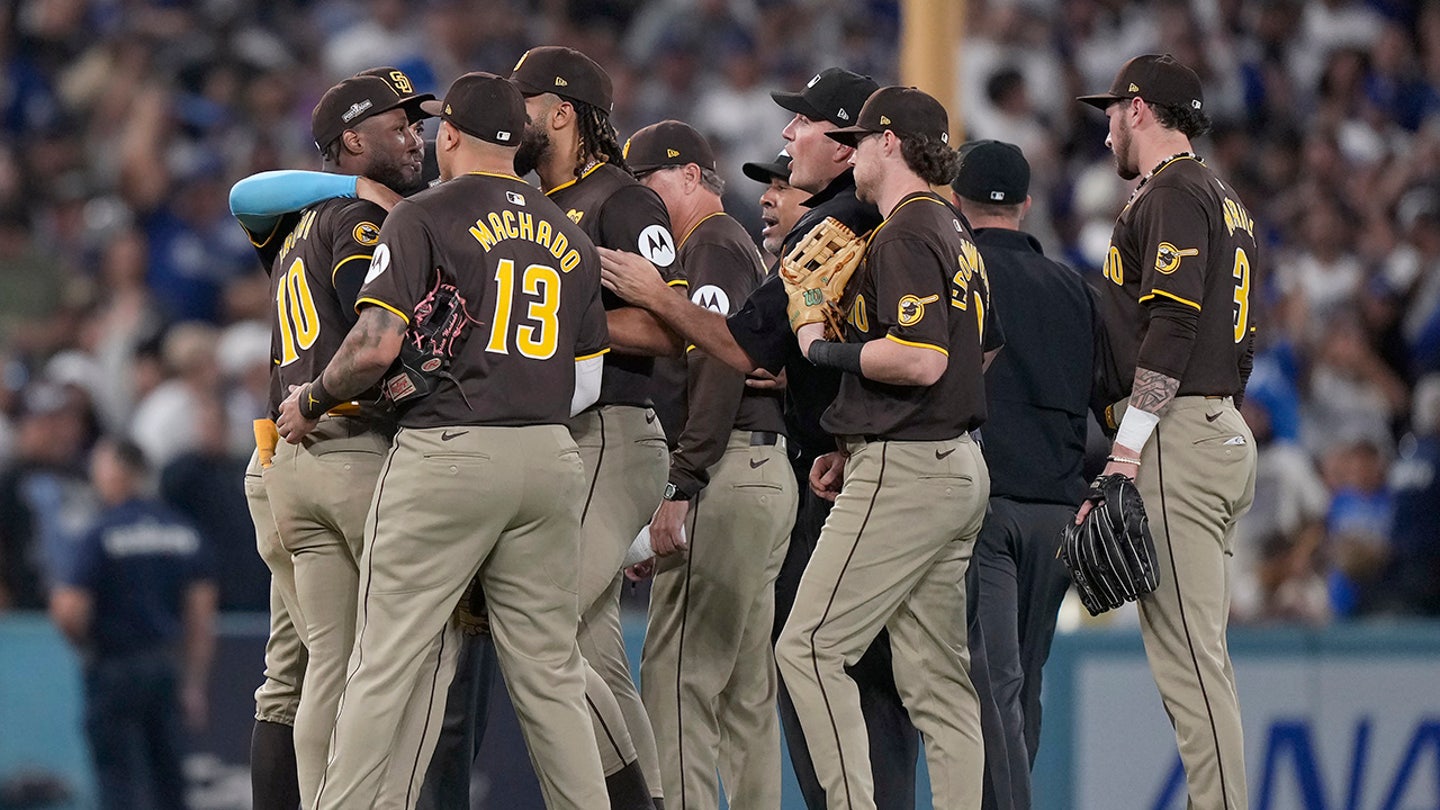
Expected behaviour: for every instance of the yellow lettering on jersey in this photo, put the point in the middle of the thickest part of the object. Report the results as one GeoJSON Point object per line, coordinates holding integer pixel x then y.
{"type": "Point", "coordinates": [1114, 268]}
{"type": "Point", "coordinates": [575, 216]}
{"type": "Point", "coordinates": [858, 318]}
{"type": "Point", "coordinates": [513, 225]}
{"type": "Point", "coordinates": [969, 262]}
{"type": "Point", "coordinates": [1237, 218]}
{"type": "Point", "coordinates": [483, 235]}
{"type": "Point", "coordinates": [559, 245]}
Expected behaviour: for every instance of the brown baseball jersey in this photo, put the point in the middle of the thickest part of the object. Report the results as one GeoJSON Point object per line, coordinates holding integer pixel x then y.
{"type": "Point", "coordinates": [922, 284]}
{"type": "Point", "coordinates": [316, 274]}
{"type": "Point", "coordinates": [1183, 243]}
{"type": "Point", "coordinates": [527, 276]}
{"type": "Point", "coordinates": [616, 212]}
{"type": "Point", "coordinates": [723, 268]}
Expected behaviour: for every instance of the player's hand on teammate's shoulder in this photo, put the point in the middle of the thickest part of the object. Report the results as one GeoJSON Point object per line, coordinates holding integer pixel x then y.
{"type": "Point", "coordinates": [666, 535]}
{"type": "Point", "coordinates": [291, 426]}
{"type": "Point", "coordinates": [631, 276]}
{"type": "Point", "coordinates": [378, 193]}
{"type": "Point", "coordinates": [826, 475]}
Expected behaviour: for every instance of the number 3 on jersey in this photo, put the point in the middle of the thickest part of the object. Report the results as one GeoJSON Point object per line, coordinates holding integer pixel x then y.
{"type": "Point", "coordinates": [299, 323]}
{"type": "Point", "coordinates": [1241, 274]}
{"type": "Point", "coordinates": [535, 338]}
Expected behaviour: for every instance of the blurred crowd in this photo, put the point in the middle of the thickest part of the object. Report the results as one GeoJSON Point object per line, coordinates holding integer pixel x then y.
{"type": "Point", "coordinates": [131, 304]}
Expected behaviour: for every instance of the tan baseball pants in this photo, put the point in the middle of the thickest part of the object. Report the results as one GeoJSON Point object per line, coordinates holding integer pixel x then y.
{"type": "Point", "coordinates": [893, 554]}
{"type": "Point", "coordinates": [626, 464]}
{"type": "Point", "coordinates": [1197, 477]}
{"type": "Point", "coordinates": [320, 492]}
{"type": "Point", "coordinates": [450, 502]}
{"type": "Point", "coordinates": [278, 698]}
{"type": "Point", "coordinates": [708, 671]}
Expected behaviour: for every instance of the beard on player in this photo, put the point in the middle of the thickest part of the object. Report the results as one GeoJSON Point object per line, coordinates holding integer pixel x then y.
{"type": "Point", "coordinates": [534, 143]}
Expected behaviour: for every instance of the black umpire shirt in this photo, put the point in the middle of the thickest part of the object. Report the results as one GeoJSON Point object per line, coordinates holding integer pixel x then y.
{"type": "Point", "coordinates": [762, 327]}
{"type": "Point", "coordinates": [1038, 387]}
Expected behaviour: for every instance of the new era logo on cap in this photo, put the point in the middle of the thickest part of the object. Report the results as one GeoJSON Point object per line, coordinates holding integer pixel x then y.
{"type": "Point", "coordinates": [842, 114]}
{"type": "Point", "coordinates": [671, 153]}
{"type": "Point", "coordinates": [885, 120]}
{"type": "Point", "coordinates": [1134, 88]}
{"type": "Point", "coordinates": [559, 82]}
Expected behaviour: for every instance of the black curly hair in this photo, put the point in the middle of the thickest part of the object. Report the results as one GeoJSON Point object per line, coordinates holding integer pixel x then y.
{"type": "Point", "coordinates": [931, 158]}
{"type": "Point", "coordinates": [598, 139]}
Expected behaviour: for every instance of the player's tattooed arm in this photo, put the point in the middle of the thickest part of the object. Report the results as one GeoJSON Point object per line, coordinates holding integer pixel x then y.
{"type": "Point", "coordinates": [1152, 391]}
{"type": "Point", "coordinates": [370, 347]}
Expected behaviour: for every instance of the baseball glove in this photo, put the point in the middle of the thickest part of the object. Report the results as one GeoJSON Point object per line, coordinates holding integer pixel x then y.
{"type": "Point", "coordinates": [1110, 554]}
{"type": "Point", "coordinates": [815, 273]}
{"type": "Point", "coordinates": [436, 331]}
{"type": "Point", "coordinates": [471, 613]}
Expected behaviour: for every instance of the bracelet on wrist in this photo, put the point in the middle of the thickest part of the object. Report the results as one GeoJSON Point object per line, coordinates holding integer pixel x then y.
{"type": "Point", "coordinates": [315, 400]}
{"type": "Point", "coordinates": [1123, 460]}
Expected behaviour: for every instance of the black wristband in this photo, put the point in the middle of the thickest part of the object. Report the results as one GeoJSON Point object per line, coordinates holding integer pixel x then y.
{"type": "Point", "coordinates": [315, 400]}
{"type": "Point", "coordinates": [831, 354]}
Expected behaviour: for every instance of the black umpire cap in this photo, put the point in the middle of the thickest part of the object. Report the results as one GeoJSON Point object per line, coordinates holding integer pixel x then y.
{"type": "Point", "coordinates": [777, 169]}
{"type": "Point", "coordinates": [835, 95]}
{"type": "Point", "coordinates": [565, 72]}
{"type": "Point", "coordinates": [485, 106]}
{"type": "Point", "coordinates": [668, 143]}
{"type": "Point", "coordinates": [992, 172]}
{"type": "Point", "coordinates": [355, 99]}
{"type": "Point", "coordinates": [906, 111]}
{"type": "Point", "coordinates": [1155, 77]}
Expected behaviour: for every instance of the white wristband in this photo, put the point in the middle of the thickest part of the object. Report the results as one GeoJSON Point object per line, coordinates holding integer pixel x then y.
{"type": "Point", "coordinates": [1135, 429]}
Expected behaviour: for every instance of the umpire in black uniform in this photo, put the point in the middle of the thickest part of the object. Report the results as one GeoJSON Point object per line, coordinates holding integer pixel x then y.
{"type": "Point", "coordinates": [759, 336]}
{"type": "Point", "coordinates": [1038, 392]}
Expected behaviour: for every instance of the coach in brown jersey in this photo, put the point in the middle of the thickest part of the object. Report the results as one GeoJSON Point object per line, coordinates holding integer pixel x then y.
{"type": "Point", "coordinates": [572, 146]}
{"type": "Point", "coordinates": [483, 476]}
{"type": "Point", "coordinates": [708, 672]}
{"type": "Point", "coordinates": [309, 523]}
{"type": "Point", "coordinates": [1182, 261]}
{"type": "Point", "coordinates": [894, 550]}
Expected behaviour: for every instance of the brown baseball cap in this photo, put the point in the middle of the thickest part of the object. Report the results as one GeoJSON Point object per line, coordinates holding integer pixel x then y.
{"type": "Point", "coordinates": [399, 81]}
{"type": "Point", "coordinates": [485, 106]}
{"type": "Point", "coordinates": [565, 72]}
{"type": "Point", "coordinates": [1155, 77]}
{"type": "Point", "coordinates": [764, 172]}
{"type": "Point", "coordinates": [353, 100]}
{"type": "Point", "coordinates": [668, 143]}
{"type": "Point", "coordinates": [906, 111]}
{"type": "Point", "coordinates": [835, 95]}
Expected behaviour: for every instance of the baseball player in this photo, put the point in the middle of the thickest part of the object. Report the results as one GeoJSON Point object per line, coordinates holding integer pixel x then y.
{"type": "Point", "coordinates": [482, 476]}
{"type": "Point", "coordinates": [894, 549]}
{"type": "Point", "coordinates": [758, 337]}
{"type": "Point", "coordinates": [708, 671]}
{"type": "Point", "coordinates": [362, 127]}
{"type": "Point", "coordinates": [1183, 259]}
{"type": "Point", "coordinates": [1037, 395]}
{"type": "Point", "coordinates": [572, 146]}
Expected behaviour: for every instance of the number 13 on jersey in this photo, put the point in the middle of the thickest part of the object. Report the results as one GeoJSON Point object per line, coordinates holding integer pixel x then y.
{"type": "Point", "coordinates": [536, 335]}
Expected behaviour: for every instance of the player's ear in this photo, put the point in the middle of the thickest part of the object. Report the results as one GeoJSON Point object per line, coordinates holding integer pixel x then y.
{"type": "Point", "coordinates": [350, 141]}
{"type": "Point", "coordinates": [446, 138]}
{"type": "Point", "coordinates": [561, 114]}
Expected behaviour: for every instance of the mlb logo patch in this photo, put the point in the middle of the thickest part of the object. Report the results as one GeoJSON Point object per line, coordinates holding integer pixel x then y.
{"type": "Point", "coordinates": [514, 198]}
